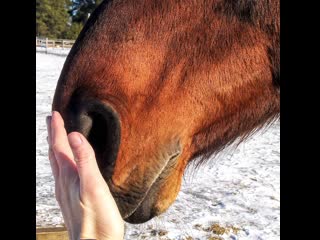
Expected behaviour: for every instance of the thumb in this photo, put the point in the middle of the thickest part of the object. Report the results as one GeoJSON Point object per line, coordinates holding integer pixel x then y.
{"type": "Point", "coordinates": [84, 157]}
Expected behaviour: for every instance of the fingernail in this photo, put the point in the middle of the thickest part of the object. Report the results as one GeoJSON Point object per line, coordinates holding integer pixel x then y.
{"type": "Point", "coordinates": [75, 140]}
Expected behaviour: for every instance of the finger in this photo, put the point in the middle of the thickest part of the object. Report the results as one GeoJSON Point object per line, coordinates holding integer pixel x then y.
{"type": "Point", "coordinates": [48, 122]}
{"type": "Point", "coordinates": [84, 157]}
{"type": "Point", "coordinates": [52, 159]}
{"type": "Point", "coordinates": [60, 143]}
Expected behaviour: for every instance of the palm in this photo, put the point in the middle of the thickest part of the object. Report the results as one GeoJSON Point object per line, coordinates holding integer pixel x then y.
{"type": "Point", "coordinates": [87, 205]}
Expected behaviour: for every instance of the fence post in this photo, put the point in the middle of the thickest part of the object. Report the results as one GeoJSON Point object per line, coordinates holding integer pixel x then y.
{"type": "Point", "coordinates": [46, 45]}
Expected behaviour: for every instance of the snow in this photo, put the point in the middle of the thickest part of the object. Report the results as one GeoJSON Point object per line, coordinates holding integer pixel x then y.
{"type": "Point", "coordinates": [239, 188]}
{"type": "Point", "coordinates": [54, 51]}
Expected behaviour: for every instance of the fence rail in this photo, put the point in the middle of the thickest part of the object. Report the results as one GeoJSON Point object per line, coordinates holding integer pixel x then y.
{"type": "Point", "coordinates": [56, 43]}
{"type": "Point", "coordinates": [54, 233]}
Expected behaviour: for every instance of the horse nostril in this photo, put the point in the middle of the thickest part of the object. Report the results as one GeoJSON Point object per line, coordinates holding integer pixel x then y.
{"type": "Point", "coordinates": [98, 134]}
{"type": "Point", "coordinates": [104, 136]}
{"type": "Point", "coordinates": [100, 125]}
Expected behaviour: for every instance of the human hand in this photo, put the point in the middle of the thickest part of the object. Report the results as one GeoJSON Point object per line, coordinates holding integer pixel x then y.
{"type": "Point", "coordinates": [87, 206]}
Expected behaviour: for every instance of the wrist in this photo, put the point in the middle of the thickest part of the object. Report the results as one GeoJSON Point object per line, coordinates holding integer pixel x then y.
{"type": "Point", "coordinates": [92, 230]}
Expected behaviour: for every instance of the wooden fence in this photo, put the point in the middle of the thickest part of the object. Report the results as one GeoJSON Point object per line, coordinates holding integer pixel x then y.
{"type": "Point", "coordinates": [55, 233]}
{"type": "Point", "coordinates": [57, 43]}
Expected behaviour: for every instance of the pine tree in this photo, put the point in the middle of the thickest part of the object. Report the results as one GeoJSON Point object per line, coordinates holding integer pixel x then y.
{"type": "Point", "coordinates": [81, 9]}
{"type": "Point", "coordinates": [51, 18]}
{"type": "Point", "coordinates": [73, 31]}
{"type": "Point", "coordinates": [63, 18]}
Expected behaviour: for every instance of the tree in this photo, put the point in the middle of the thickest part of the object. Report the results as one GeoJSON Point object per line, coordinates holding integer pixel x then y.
{"type": "Point", "coordinates": [81, 9]}
{"type": "Point", "coordinates": [73, 31]}
{"type": "Point", "coordinates": [63, 18]}
{"type": "Point", "coordinates": [52, 18]}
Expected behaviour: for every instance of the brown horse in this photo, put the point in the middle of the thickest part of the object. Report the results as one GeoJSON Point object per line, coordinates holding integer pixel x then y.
{"type": "Point", "coordinates": [156, 84]}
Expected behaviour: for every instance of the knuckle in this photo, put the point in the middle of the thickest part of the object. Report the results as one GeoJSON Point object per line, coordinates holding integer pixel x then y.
{"type": "Point", "coordinates": [59, 155]}
{"type": "Point", "coordinates": [84, 155]}
{"type": "Point", "coordinates": [56, 147]}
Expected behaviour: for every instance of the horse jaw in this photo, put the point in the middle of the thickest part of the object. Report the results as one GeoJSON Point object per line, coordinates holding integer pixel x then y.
{"type": "Point", "coordinates": [140, 201]}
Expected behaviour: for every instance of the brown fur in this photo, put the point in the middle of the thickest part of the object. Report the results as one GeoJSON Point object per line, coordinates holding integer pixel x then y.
{"type": "Point", "coordinates": [185, 78]}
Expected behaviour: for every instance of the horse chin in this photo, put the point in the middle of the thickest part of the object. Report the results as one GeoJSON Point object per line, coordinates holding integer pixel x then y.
{"type": "Point", "coordinates": [145, 211]}
{"type": "Point", "coordinates": [137, 211]}
{"type": "Point", "coordinates": [152, 204]}
{"type": "Point", "coordinates": [138, 203]}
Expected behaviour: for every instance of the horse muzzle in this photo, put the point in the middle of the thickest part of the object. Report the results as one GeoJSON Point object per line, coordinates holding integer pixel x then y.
{"type": "Point", "coordinates": [99, 123]}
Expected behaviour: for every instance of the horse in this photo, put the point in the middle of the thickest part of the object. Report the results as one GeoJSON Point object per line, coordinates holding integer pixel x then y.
{"type": "Point", "coordinates": [156, 85]}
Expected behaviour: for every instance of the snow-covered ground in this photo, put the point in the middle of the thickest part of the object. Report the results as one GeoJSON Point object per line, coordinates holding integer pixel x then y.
{"type": "Point", "coordinates": [54, 51]}
{"type": "Point", "coordinates": [236, 195]}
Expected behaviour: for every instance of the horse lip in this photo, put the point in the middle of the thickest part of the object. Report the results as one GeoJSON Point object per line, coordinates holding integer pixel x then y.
{"type": "Point", "coordinates": [118, 194]}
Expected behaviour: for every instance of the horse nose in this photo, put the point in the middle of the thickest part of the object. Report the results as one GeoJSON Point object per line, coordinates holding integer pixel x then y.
{"type": "Point", "coordinates": [99, 123]}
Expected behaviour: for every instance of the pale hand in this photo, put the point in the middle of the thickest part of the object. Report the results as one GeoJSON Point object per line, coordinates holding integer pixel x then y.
{"type": "Point", "coordinates": [87, 206]}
